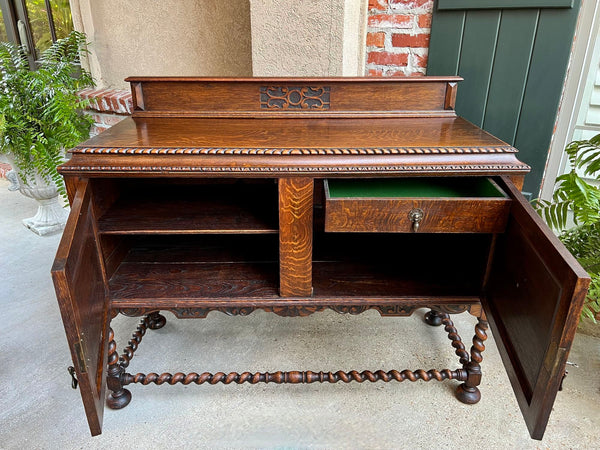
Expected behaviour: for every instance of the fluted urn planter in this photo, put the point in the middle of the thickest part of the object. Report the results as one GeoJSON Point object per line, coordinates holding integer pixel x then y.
{"type": "Point", "coordinates": [51, 215]}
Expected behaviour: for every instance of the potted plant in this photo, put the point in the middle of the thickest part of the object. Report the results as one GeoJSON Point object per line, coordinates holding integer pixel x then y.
{"type": "Point", "coordinates": [40, 117]}
{"type": "Point", "coordinates": [574, 212]}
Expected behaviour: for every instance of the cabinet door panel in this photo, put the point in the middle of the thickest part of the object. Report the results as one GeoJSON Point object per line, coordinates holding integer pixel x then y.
{"type": "Point", "coordinates": [83, 304]}
{"type": "Point", "coordinates": [533, 299]}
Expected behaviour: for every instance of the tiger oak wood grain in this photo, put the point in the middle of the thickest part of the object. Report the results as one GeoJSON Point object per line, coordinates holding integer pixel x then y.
{"type": "Point", "coordinates": [295, 236]}
{"type": "Point", "coordinates": [205, 97]}
{"type": "Point", "coordinates": [279, 134]}
{"type": "Point", "coordinates": [151, 227]}
{"type": "Point", "coordinates": [533, 299]}
{"type": "Point", "coordinates": [440, 215]}
{"type": "Point", "coordinates": [80, 291]}
{"type": "Point", "coordinates": [156, 208]}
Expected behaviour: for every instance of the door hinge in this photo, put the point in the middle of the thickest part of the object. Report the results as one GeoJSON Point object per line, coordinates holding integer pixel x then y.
{"type": "Point", "coordinates": [80, 356]}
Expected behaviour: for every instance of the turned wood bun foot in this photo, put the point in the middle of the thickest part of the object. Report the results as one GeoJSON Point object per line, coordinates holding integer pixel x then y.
{"type": "Point", "coordinates": [433, 318]}
{"type": "Point", "coordinates": [118, 400]}
{"type": "Point", "coordinates": [468, 395]}
{"type": "Point", "coordinates": [157, 321]}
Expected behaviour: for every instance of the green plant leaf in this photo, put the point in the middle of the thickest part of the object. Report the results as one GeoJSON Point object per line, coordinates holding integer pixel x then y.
{"type": "Point", "coordinates": [574, 195]}
{"type": "Point", "coordinates": [41, 109]}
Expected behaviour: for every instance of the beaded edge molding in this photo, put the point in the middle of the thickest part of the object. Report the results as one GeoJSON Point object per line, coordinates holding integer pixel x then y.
{"type": "Point", "coordinates": [299, 169]}
{"type": "Point", "coordinates": [292, 151]}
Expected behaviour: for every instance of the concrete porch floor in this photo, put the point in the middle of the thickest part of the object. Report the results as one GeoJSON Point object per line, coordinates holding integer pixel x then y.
{"type": "Point", "coordinates": [38, 408]}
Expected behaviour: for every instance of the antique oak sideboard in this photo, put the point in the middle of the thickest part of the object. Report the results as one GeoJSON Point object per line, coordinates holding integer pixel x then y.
{"type": "Point", "coordinates": [296, 195]}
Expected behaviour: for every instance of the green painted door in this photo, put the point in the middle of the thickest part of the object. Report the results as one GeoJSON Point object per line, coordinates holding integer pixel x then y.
{"type": "Point", "coordinates": [513, 55]}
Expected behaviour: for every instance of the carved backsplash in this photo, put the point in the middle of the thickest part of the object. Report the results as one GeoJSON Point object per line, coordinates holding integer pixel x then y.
{"type": "Point", "coordinates": [294, 97]}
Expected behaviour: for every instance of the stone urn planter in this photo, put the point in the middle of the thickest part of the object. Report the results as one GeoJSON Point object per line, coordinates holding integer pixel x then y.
{"type": "Point", "coordinates": [51, 215]}
{"type": "Point", "coordinates": [40, 116]}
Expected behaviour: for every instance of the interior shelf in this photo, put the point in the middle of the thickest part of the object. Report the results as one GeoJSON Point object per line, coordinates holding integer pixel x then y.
{"type": "Point", "coordinates": [400, 265]}
{"type": "Point", "coordinates": [230, 268]}
{"type": "Point", "coordinates": [198, 267]}
{"type": "Point", "coordinates": [158, 208]}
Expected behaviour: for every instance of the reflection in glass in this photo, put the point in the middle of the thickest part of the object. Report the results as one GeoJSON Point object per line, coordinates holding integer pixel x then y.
{"type": "Point", "coordinates": [39, 20]}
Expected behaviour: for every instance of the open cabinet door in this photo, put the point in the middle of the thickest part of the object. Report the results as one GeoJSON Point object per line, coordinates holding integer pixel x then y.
{"type": "Point", "coordinates": [533, 300]}
{"type": "Point", "coordinates": [83, 304]}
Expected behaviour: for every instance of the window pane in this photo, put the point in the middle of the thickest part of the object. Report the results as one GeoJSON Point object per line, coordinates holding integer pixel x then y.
{"type": "Point", "coordinates": [40, 25]}
{"type": "Point", "coordinates": [63, 23]}
{"type": "Point", "coordinates": [3, 35]}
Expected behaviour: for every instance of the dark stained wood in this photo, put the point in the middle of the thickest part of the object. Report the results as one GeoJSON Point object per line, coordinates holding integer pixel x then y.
{"type": "Point", "coordinates": [180, 269]}
{"type": "Point", "coordinates": [77, 276]}
{"type": "Point", "coordinates": [149, 208]}
{"type": "Point", "coordinates": [114, 248]}
{"type": "Point", "coordinates": [262, 147]}
{"type": "Point", "coordinates": [267, 166]}
{"type": "Point", "coordinates": [367, 265]}
{"type": "Point", "coordinates": [247, 137]}
{"type": "Point", "coordinates": [450, 100]}
{"type": "Point", "coordinates": [104, 192]}
{"type": "Point", "coordinates": [533, 299]}
{"type": "Point", "coordinates": [440, 215]}
{"type": "Point", "coordinates": [401, 305]}
{"type": "Point", "coordinates": [297, 309]}
{"type": "Point", "coordinates": [71, 183]}
{"type": "Point", "coordinates": [294, 377]}
{"type": "Point", "coordinates": [119, 397]}
{"type": "Point", "coordinates": [295, 236]}
{"type": "Point", "coordinates": [206, 200]}
{"type": "Point", "coordinates": [273, 97]}
{"type": "Point", "coordinates": [178, 281]}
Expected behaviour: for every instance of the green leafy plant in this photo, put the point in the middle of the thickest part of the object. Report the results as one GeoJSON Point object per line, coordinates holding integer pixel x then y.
{"type": "Point", "coordinates": [575, 198]}
{"type": "Point", "coordinates": [40, 112]}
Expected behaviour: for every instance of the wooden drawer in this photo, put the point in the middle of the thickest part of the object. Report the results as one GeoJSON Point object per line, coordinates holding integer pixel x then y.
{"type": "Point", "coordinates": [424, 205]}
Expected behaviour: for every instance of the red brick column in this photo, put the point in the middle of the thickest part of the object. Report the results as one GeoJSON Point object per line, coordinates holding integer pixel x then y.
{"type": "Point", "coordinates": [398, 37]}
{"type": "Point", "coordinates": [108, 107]}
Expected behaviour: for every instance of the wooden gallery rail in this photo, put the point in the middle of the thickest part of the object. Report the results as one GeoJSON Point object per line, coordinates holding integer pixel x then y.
{"type": "Point", "coordinates": [297, 195]}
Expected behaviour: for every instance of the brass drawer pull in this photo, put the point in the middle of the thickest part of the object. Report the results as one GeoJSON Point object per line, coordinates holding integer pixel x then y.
{"type": "Point", "coordinates": [416, 216]}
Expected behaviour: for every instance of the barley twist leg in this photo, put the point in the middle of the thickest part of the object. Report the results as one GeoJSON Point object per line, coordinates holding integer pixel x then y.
{"type": "Point", "coordinates": [156, 320]}
{"type": "Point", "coordinates": [119, 397]}
{"type": "Point", "coordinates": [468, 392]}
{"type": "Point", "coordinates": [433, 318]}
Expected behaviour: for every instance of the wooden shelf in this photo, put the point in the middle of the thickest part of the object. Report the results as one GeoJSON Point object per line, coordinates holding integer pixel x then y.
{"type": "Point", "coordinates": [372, 264]}
{"type": "Point", "coordinates": [193, 209]}
{"type": "Point", "coordinates": [192, 270]}
{"type": "Point", "coordinates": [198, 267]}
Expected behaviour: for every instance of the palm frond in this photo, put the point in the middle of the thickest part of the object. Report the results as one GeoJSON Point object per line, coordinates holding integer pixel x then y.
{"type": "Point", "coordinates": [577, 198]}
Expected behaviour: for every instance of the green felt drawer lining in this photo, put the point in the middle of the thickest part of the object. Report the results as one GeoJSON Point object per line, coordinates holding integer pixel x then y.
{"type": "Point", "coordinates": [413, 187]}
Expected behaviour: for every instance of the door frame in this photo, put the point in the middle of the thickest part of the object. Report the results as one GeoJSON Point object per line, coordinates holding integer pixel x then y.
{"type": "Point", "coordinates": [585, 51]}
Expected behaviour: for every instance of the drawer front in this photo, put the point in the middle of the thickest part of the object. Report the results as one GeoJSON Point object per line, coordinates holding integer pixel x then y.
{"type": "Point", "coordinates": [416, 214]}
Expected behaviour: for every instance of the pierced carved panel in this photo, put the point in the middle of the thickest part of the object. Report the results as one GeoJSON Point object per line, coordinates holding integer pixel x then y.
{"type": "Point", "coordinates": [295, 97]}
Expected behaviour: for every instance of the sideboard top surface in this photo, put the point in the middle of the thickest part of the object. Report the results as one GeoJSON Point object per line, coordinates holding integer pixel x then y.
{"type": "Point", "coordinates": [331, 133]}
{"type": "Point", "coordinates": [293, 126]}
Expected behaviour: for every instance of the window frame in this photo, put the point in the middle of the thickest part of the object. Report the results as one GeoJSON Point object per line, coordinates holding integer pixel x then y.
{"type": "Point", "coordinates": [14, 11]}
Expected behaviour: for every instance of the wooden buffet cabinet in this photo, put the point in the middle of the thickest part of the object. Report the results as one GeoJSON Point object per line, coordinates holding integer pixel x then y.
{"type": "Point", "coordinates": [296, 195]}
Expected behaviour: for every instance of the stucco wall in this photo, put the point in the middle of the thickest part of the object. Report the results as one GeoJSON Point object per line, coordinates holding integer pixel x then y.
{"type": "Point", "coordinates": [308, 37]}
{"type": "Point", "coordinates": [166, 37]}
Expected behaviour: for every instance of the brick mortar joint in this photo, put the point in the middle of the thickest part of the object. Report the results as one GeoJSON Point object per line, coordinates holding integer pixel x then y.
{"type": "Point", "coordinates": [108, 101]}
